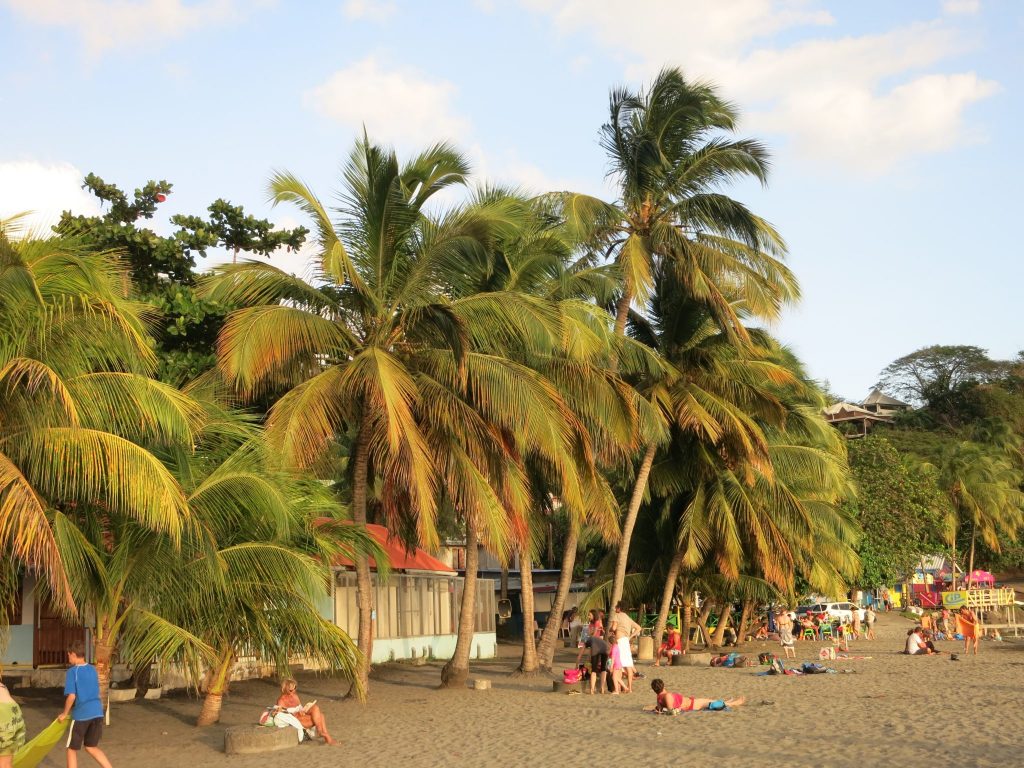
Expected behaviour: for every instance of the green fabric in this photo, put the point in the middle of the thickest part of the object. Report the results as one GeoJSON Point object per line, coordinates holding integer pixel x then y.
{"type": "Point", "coordinates": [33, 753]}
{"type": "Point", "coordinates": [12, 728]}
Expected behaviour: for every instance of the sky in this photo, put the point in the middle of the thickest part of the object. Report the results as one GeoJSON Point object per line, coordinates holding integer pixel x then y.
{"type": "Point", "coordinates": [894, 127]}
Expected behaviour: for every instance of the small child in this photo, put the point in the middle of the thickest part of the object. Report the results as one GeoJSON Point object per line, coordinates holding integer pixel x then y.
{"type": "Point", "coordinates": [673, 703]}
{"type": "Point", "coordinates": [616, 663]}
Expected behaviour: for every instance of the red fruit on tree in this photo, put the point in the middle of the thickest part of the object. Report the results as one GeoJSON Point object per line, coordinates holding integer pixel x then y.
{"type": "Point", "coordinates": [160, 197]}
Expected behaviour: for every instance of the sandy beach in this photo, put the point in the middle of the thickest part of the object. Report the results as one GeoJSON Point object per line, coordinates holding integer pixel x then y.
{"type": "Point", "coordinates": [889, 709]}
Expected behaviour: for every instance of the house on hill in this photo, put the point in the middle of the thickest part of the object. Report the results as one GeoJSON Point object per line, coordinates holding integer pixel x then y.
{"type": "Point", "coordinates": [858, 420]}
{"type": "Point", "coordinates": [881, 404]}
{"type": "Point", "coordinates": [852, 420]}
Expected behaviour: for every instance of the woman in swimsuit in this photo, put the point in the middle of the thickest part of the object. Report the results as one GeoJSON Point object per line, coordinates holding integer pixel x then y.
{"type": "Point", "coordinates": [673, 703]}
{"type": "Point", "coordinates": [309, 716]}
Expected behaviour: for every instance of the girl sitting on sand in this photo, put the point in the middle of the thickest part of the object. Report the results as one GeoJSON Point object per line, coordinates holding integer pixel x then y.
{"type": "Point", "coordinates": [673, 703]}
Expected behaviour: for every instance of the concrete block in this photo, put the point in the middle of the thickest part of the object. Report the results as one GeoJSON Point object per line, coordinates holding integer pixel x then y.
{"type": "Point", "coordinates": [121, 694]}
{"type": "Point", "coordinates": [254, 739]}
{"type": "Point", "coordinates": [691, 660]}
{"type": "Point", "coordinates": [154, 693]}
{"type": "Point", "coordinates": [645, 649]}
{"type": "Point", "coordinates": [481, 685]}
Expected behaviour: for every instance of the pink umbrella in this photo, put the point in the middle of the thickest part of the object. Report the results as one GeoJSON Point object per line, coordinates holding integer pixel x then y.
{"type": "Point", "coordinates": [980, 577]}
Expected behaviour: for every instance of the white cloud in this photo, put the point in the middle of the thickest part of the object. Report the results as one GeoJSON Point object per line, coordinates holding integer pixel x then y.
{"type": "Point", "coordinates": [45, 190]}
{"type": "Point", "coordinates": [862, 102]}
{"type": "Point", "coordinates": [105, 25]}
{"type": "Point", "coordinates": [370, 10]}
{"type": "Point", "coordinates": [961, 7]}
{"type": "Point", "coordinates": [398, 105]}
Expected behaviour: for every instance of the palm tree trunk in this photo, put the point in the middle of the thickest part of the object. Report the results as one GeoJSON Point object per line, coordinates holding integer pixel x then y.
{"type": "Point", "coordinates": [218, 685]}
{"type": "Point", "coordinates": [723, 622]}
{"type": "Point", "coordinates": [455, 673]}
{"type": "Point", "coordinates": [702, 620]}
{"type": "Point", "coordinates": [364, 581]}
{"type": "Point", "coordinates": [622, 313]}
{"type": "Point", "coordinates": [630, 520]}
{"type": "Point", "coordinates": [748, 608]}
{"type": "Point", "coordinates": [104, 650]}
{"type": "Point", "coordinates": [666, 598]}
{"type": "Point", "coordinates": [528, 665]}
{"type": "Point", "coordinates": [687, 615]}
{"type": "Point", "coordinates": [970, 564]}
{"type": "Point", "coordinates": [503, 584]}
{"type": "Point", "coordinates": [546, 649]}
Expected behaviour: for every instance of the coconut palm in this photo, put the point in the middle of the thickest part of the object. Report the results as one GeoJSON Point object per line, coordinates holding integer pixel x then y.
{"type": "Point", "coordinates": [256, 593]}
{"type": "Point", "coordinates": [751, 473]}
{"type": "Point", "coordinates": [76, 402]}
{"type": "Point", "coordinates": [537, 260]}
{"type": "Point", "coordinates": [670, 154]}
{"type": "Point", "coordinates": [984, 489]}
{"type": "Point", "coordinates": [391, 350]}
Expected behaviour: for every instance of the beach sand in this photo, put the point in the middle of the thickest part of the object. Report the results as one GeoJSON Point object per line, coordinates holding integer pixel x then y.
{"type": "Point", "coordinates": [891, 710]}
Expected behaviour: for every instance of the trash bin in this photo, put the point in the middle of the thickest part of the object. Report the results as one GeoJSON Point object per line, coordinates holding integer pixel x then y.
{"type": "Point", "coordinates": [646, 648]}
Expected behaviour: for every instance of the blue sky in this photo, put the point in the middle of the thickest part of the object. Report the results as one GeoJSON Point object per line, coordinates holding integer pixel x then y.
{"type": "Point", "coordinates": [894, 126]}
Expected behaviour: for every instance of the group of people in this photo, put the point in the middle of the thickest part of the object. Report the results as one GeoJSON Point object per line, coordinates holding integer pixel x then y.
{"type": "Point", "coordinates": [610, 650]}
{"type": "Point", "coordinates": [939, 626]}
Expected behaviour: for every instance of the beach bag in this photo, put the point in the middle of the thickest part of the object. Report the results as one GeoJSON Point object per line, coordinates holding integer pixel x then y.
{"type": "Point", "coordinates": [827, 653]}
{"type": "Point", "coordinates": [571, 676]}
{"type": "Point", "coordinates": [765, 659]}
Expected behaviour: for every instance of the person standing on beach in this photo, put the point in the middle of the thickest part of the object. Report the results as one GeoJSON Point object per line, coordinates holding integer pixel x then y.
{"type": "Point", "coordinates": [12, 727]}
{"type": "Point", "coordinates": [83, 705]}
{"type": "Point", "coordinates": [967, 625]}
{"type": "Point", "coordinates": [599, 651]}
{"type": "Point", "coordinates": [785, 625]}
{"type": "Point", "coordinates": [626, 629]}
{"type": "Point", "coordinates": [869, 623]}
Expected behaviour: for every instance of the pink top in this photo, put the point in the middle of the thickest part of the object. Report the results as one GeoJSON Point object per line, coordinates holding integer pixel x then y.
{"type": "Point", "coordinates": [616, 657]}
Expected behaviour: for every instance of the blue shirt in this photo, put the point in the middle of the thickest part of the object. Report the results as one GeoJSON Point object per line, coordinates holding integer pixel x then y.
{"type": "Point", "coordinates": [83, 681]}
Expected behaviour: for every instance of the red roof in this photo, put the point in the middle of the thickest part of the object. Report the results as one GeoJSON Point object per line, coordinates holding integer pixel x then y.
{"type": "Point", "coordinates": [401, 559]}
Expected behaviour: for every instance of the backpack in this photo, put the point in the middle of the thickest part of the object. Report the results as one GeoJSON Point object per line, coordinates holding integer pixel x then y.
{"type": "Point", "coordinates": [765, 659]}
{"type": "Point", "coordinates": [571, 676]}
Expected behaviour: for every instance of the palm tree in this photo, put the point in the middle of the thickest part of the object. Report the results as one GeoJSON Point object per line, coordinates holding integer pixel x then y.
{"type": "Point", "coordinates": [751, 472]}
{"type": "Point", "coordinates": [984, 489]}
{"type": "Point", "coordinates": [76, 402]}
{"type": "Point", "coordinates": [670, 154]}
{"type": "Point", "coordinates": [392, 351]}
{"type": "Point", "coordinates": [256, 593]}
{"type": "Point", "coordinates": [536, 260]}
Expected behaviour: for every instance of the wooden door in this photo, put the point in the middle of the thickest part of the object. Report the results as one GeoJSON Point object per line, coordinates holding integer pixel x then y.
{"type": "Point", "coordinates": [52, 636]}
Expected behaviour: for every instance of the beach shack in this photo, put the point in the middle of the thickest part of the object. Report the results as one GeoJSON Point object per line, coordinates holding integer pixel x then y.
{"type": "Point", "coordinates": [36, 637]}
{"type": "Point", "coordinates": [417, 606]}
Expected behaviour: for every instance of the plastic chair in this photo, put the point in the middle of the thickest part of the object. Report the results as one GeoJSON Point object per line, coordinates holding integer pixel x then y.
{"type": "Point", "coordinates": [826, 631]}
{"type": "Point", "coordinates": [808, 634]}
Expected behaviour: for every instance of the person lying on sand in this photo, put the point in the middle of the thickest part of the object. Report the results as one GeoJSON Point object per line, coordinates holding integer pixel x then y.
{"type": "Point", "coordinates": [673, 703]}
